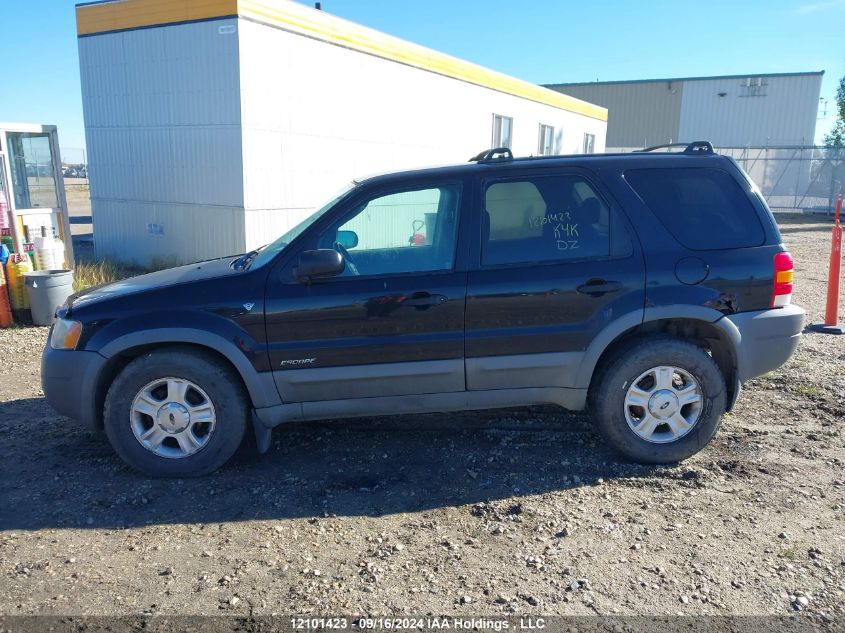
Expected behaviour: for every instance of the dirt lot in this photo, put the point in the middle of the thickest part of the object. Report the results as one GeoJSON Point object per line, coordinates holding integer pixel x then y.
{"type": "Point", "coordinates": [516, 512]}
{"type": "Point", "coordinates": [79, 205]}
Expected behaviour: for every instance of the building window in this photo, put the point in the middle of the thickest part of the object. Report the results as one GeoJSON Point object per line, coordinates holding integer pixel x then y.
{"type": "Point", "coordinates": [33, 180]}
{"type": "Point", "coordinates": [589, 143]}
{"type": "Point", "coordinates": [753, 87]}
{"type": "Point", "coordinates": [545, 145]}
{"type": "Point", "coordinates": [502, 131]}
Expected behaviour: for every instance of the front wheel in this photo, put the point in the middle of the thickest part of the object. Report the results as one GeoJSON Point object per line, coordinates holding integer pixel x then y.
{"type": "Point", "coordinates": [660, 400]}
{"type": "Point", "coordinates": [175, 413]}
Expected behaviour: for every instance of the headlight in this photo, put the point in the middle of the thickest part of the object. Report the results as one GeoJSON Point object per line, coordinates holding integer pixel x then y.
{"type": "Point", "coordinates": [65, 334]}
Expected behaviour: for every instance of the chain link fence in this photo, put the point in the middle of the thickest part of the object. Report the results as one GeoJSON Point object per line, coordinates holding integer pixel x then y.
{"type": "Point", "coordinates": [74, 162]}
{"type": "Point", "coordinates": [803, 179]}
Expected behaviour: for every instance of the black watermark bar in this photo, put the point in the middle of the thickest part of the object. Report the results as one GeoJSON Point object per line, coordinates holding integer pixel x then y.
{"type": "Point", "coordinates": [422, 624]}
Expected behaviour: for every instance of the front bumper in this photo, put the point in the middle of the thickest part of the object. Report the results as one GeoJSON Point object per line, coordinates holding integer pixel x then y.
{"type": "Point", "coordinates": [767, 339]}
{"type": "Point", "coordinates": [69, 381]}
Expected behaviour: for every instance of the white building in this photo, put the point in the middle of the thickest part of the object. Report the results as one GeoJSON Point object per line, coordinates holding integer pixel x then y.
{"type": "Point", "coordinates": [214, 125]}
{"type": "Point", "coordinates": [757, 110]}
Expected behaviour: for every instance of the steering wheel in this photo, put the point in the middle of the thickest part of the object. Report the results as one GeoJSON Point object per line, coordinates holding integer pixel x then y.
{"type": "Point", "coordinates": [350, 265]}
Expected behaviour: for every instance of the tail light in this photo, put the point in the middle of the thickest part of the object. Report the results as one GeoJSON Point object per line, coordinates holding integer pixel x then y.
{"type": "Point", "coordinates": [784, 275]}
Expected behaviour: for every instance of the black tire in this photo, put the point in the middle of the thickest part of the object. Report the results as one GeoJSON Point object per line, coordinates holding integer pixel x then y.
{"type": "Point", "coordinates": [608, 394]}
{"type": "Point", "coordinates": [222, 386]}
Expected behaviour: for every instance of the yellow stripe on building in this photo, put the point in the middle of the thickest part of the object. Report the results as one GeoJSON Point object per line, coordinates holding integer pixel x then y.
{"type": "Point", "coordinates": [297, 18]}
{"type": "Point", "coordinates": [119, 15]}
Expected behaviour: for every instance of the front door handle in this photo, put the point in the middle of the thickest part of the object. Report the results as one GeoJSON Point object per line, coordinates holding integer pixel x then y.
{"type": "Point", "coordinates": [422, 300]}
{"type": "Point", "coordinates": [599, 287]}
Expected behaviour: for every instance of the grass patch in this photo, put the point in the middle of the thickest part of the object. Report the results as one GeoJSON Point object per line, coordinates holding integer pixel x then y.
{"type": "Point", "coordinates": [768, 381]}
{"type": "Point", "coordinates": [106, 271]}
{"type": "Point", "coordinates": [162, 263]}
{"type": "Point", "coordinates": [87, 274]}
{"type": "Point", "coordinates": [811, 390]}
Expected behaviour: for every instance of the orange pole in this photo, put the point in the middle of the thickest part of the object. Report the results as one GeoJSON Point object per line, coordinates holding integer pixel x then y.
{"type": "Point", "coordinates": [831, 313]}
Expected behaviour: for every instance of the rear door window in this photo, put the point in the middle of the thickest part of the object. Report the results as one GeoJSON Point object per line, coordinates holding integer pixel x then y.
{"type": "Point", "coordinates": [703, 208]}
{"type": "Point", "coordinates": [548, 219]}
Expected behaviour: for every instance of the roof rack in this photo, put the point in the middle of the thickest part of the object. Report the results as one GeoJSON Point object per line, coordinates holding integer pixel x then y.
{"type": "Point", "coordinates": [696, 147]}
{"type": "Point", "coordinates": [491, 155]}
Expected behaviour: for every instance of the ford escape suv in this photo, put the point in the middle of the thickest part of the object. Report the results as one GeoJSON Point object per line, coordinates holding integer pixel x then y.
{"type": "Point", "coordinates": [644, 287]}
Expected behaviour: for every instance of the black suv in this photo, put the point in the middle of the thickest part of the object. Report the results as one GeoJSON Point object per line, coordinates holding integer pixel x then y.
{"type": "Point", "coordinates": [646, 287]}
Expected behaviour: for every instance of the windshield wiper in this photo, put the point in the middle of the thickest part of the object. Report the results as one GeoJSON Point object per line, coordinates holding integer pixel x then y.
{"type": "Point", "coordinates": [244, 260]}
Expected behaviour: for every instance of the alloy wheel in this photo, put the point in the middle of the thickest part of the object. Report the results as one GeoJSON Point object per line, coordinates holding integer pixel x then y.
{"type": "Point", "coordinates": [172, 417]}
{"type": "Point", "coordinates": [663, 404]}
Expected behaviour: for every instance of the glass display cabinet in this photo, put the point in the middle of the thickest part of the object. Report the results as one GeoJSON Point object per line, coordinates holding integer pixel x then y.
{"type": "Point", "coordinates": [32, 193]}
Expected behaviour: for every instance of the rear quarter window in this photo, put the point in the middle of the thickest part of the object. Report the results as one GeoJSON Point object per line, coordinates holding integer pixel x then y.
{"type": "Point", "coordinates": [703, 208]}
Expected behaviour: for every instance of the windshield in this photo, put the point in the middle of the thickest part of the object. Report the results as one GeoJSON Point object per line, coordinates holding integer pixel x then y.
{"type": "Point", "coordinates": [267, 253]}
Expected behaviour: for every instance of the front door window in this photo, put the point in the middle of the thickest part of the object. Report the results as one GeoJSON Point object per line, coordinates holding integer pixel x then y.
{"type": "Point", "coordinates": [408, 231]}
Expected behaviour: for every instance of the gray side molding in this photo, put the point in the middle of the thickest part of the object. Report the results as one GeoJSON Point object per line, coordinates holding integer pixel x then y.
{"type": "Point", "coordinates": [373, 380]}
{"type": "Point", "coordinates": [551, 369]}
{"type": "Point", "coordinates": [571, 399]}
{"type": "Point", "coordinates": [261, 387]}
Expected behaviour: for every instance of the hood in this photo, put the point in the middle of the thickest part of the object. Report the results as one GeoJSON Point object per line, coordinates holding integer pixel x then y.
{"type": "Point", "coordinates": [199, 271]}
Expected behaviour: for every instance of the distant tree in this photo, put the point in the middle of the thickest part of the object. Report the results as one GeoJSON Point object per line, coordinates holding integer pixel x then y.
{"type": "Point", "coordinates": [836, 137]}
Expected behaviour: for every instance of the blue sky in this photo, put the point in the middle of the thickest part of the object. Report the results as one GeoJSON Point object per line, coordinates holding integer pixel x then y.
{"type": "Point", "coordinates": [544, 41]}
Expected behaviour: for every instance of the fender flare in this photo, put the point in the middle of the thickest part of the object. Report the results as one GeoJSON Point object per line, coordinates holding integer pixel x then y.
{"type": "Point", "coordinates": [619, 326]}
{"type": "Point", "coordinates": [260, 385]}
{"type": "Point", "coordinates": [696, 313]}
{"type": "Point", "coordinates": [601, 342]}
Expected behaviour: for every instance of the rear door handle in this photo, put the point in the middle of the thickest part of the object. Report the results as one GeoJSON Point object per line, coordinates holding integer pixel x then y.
{"type": "Point", "coordinates": [423, 300]}
{"type": "Point", "coordinates": [598, 287]}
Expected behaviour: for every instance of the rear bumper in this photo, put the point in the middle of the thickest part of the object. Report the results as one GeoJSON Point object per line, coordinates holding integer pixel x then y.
{"type": "Point", "coordinates": [767, 339]}
{"type": "Point", "coordinates": [69, 381]}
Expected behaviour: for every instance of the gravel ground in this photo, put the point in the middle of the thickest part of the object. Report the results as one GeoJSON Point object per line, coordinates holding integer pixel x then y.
{"type": "Point", "coordinates": [511, 512]}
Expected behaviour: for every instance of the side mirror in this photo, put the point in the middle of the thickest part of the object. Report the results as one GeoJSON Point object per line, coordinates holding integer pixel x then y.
{"type": "Point", "coordinates": [347, 239]}
{"type": "Point", "coordinates": [321, 263]}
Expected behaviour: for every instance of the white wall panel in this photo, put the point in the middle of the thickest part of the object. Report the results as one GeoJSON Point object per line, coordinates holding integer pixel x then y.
{"type": "Point", "coordinates": [316, 115]}
{"type": "Point", "coordinates": [162, 119]}
{"type": "Point", "coordinates": [104, 90]}
{"type": "Point", "coordinates": [640, 113]}
{"type": "Point", "coordinates": [785, 115]}
{"type": "Point", "coordinates": [181, 233]}
{"type": "Point", "coordinates": [225, 133]}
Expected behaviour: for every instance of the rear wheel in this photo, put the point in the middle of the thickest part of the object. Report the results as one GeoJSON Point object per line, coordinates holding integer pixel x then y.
{"type": "Point", "coordinates": [660, 400]}
{"type": "Point", "coordinates": [175, 413]}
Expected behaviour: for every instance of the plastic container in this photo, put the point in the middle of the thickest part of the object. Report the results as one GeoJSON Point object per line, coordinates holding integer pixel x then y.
{"type": "Point", "coordinates": [6, 319]}
{"type": "Point", "coordinates": [47, 290]}
{"type": "Point", "coordinates": [17, 266]}
{"type": "Point", "coordinates": [49, 252]}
